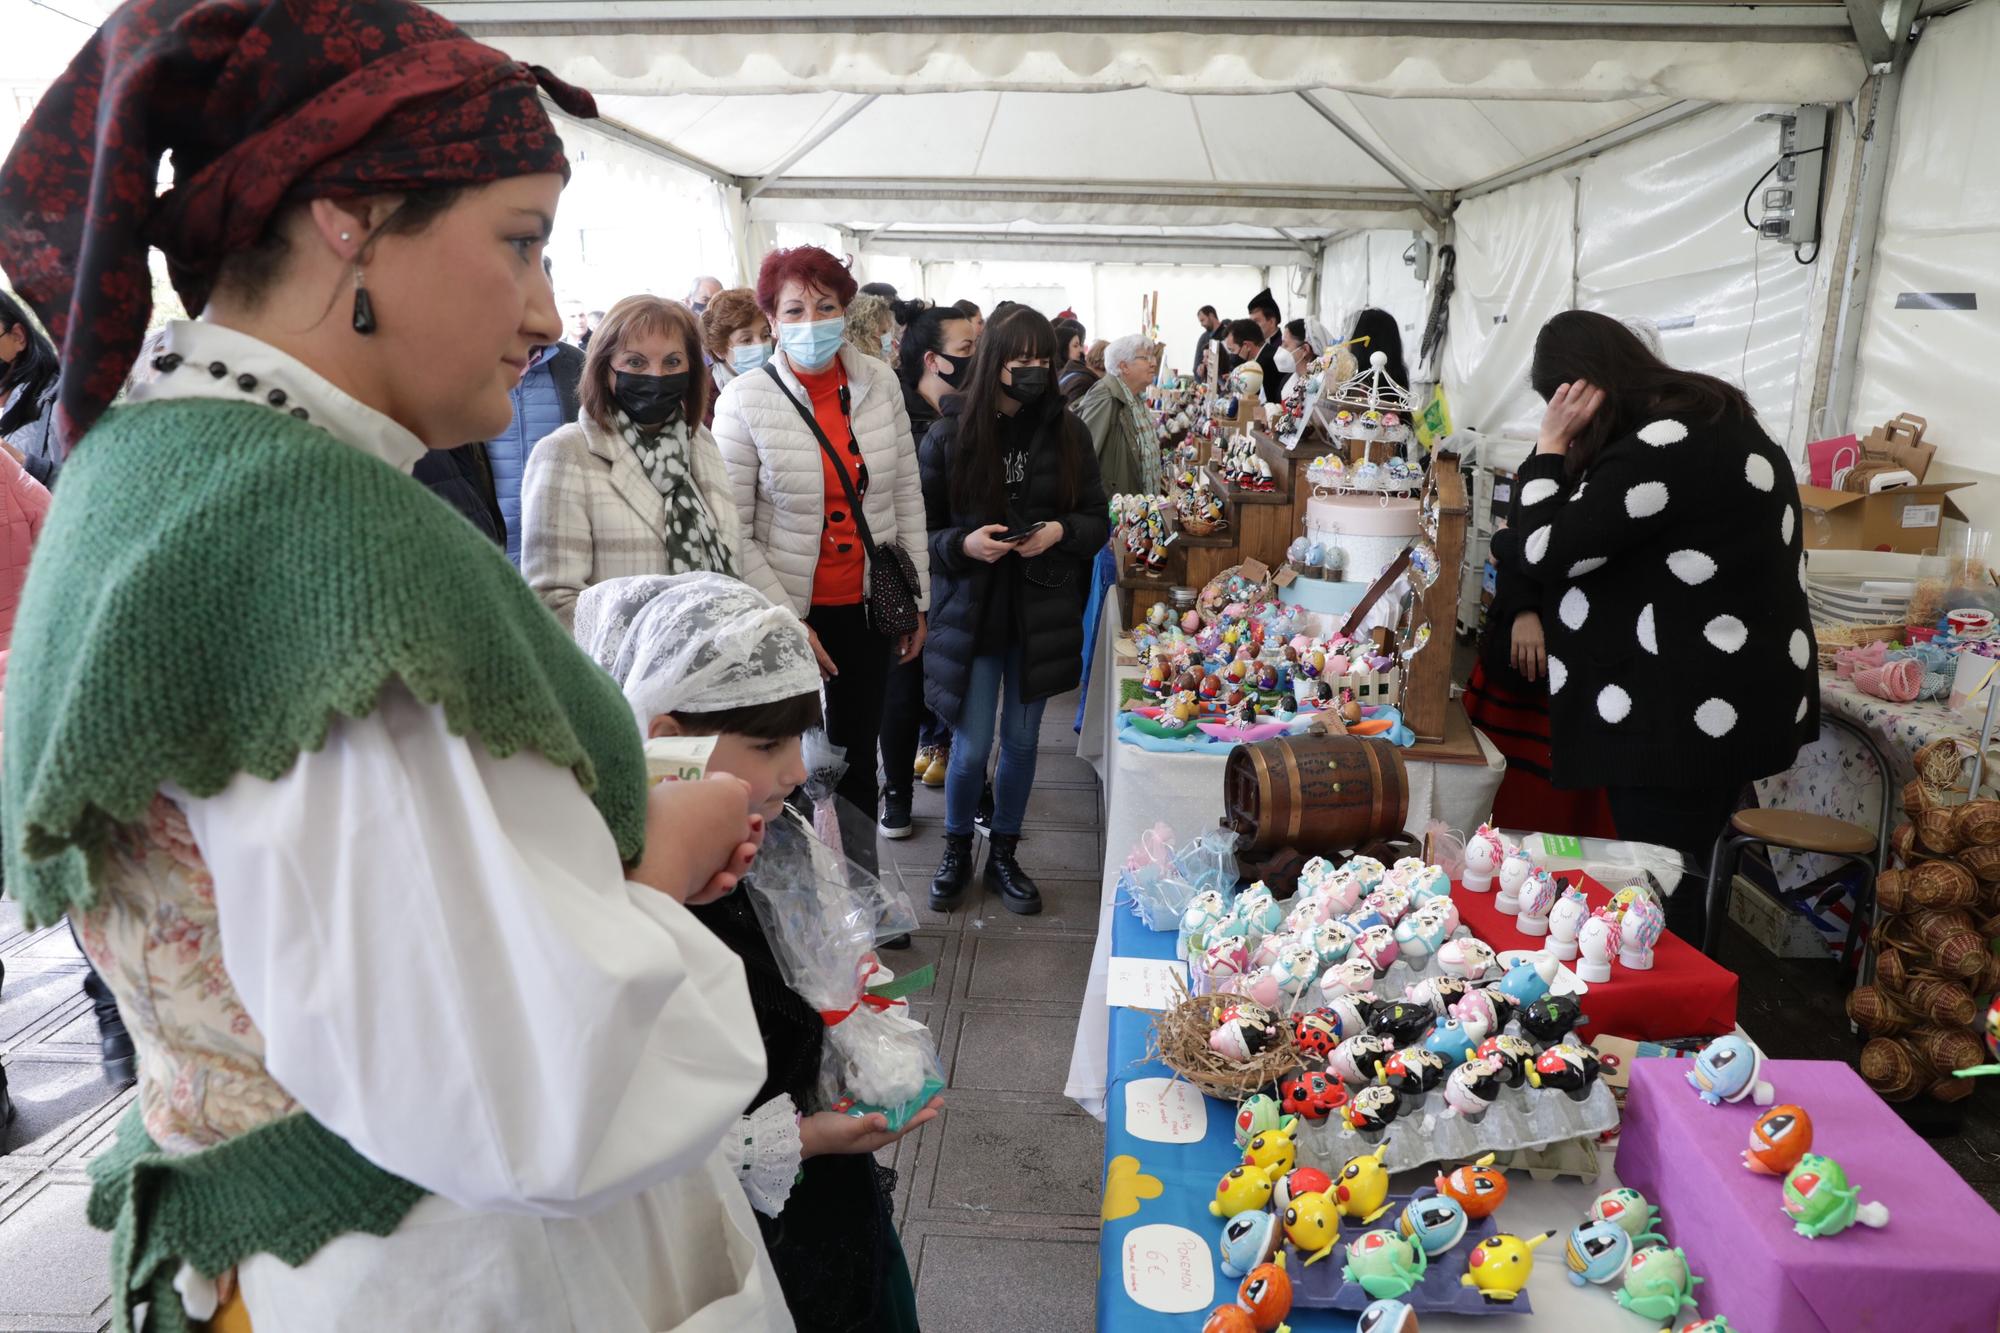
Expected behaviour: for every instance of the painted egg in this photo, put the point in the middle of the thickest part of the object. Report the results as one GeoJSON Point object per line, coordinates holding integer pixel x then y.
{"type": "Point", "coordinates": [1528, 980]}
{"type": "Point", "coordinates": [1371, 1109]}
{"type": "Point", "coordinates": [1471, 1088]}
{"type": "Point", "coordinates": [1384, 1264]}
{"type": "Point", "coordinates": [1273, 1152]}
{"type": "Point", "coordinates": [1413, 1071]}
{"type": "Point", "coordinates": [1479, 1015]}
{"type": "Point", "coordinates": [1354, 1060]}
{"type": "Point", "coordinates": [1725, 1070]}
{"type": "Point", "coordinates": [1449, 1039]}
{"type": "Point", "coordinates": [1316, 1033]}
{"type": "Point", "coordinates": [1313, 1225]}
{"type": "Point", "coordinates": [1267, 1294]}
{"type": "Point", "coordinates": [1312, 1095]}
{"type": "Point", "coordinates": [1387, 1317]}
{"type": "Point", "coordinates": [1333, 940]}
{"type": "Point", "coordinates": [1248, 1239]}
{"type": "Point", "coordinates": [1229, 1319]}
{"type": "Point", "coordinates": [1434, 1222]}
{"type": "Point", "coordinates": [1354, 977]}
{"type": "Point", "coordinates": [1781, 1136]}
{"type": "Point", "coordinates": [1466, 957]}
{"type": "Point", "coordinates": [1480, 1187]}
{"type": "Point", "coordinates": [1552, 1017]}
{"type": "Point", "coordinates": [1629, 1209]}
{"type": "Point", "coordinates": [1361, 1191]}
{"type": "Point", "coordinates": [1569, 1067]}
{"type": "Point", "coordinates": [1244, 1188]}
{"type": "Point", "coordinates": [1405, 1020]}
{"type": "Point", "coordinates": [1512, 1054]}
{"type": "Point", "coordinates": [1439, 993]}
{"type": "Point", "coordinates": [1597, 1252]}
{"type": "Point", "coordinates": [1297, 1181]}
{"type": "Point", "coordinates": [1257, 1113]}
{"type": "Point", "coordinates": [1378, 946]}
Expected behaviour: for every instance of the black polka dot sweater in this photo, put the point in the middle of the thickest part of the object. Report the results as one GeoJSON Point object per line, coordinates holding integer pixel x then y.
{"type": "Point", "coordinates": [1680, 649]}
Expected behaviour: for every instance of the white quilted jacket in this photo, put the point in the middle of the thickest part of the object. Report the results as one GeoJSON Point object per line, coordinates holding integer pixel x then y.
{"type": "Point", "coordinates": [774, 472]}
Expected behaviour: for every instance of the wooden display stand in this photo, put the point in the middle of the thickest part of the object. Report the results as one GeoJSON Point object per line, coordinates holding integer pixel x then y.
{"type": "Point", "coordinates": [1427, 680]}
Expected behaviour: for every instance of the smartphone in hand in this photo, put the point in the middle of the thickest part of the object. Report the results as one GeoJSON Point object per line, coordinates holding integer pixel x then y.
{"type": "Point", "coordinates": [1020, 534]}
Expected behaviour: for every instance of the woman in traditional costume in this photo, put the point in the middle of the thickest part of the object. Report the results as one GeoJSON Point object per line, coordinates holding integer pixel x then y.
{"type": "Point", "coordinates": [358, 837]}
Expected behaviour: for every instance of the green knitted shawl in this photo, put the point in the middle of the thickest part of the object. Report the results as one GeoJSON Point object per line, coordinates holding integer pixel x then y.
{"type": "Point", "coordinates": [215, 583]}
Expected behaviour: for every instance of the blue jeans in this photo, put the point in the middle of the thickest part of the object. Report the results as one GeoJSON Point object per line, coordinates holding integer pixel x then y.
{"type": "Point", "coordinates": [972, 740]}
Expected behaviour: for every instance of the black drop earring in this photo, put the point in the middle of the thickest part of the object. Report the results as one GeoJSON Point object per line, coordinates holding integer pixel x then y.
{"type": "Point", "coordinates": [364, 309]}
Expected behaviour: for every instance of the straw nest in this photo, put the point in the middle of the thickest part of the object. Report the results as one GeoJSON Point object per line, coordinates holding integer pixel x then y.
{"type": "Point", "coordinates": [1180, 1042]}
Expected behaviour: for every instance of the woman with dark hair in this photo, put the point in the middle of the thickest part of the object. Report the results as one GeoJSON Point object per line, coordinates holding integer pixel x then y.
{"type": "Point", "coordinates": [30, 381]}
{"type": "Point", "coordinates": [635, 485]}
{"type": "Point", "coordinates": [360, 839]}
{"type": "Point", "coordinates": [1663, 525]}
{"type": "Point", "coordinates": [1384, 335]}
{"type": "Point", "coordinates": [1295, 350]}
{"type": "Point", "coordinates": [1076, 376]}
{"type": "Point", "coordinates": [820, 422]}
{"type": "Point", "coordinates": [1017, 514]}
{"type": "Point", "coordinates": [936, 356]}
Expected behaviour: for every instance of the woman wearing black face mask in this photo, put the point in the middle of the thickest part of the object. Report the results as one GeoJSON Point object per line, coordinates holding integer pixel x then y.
{"type": "Point", "coordinates": [1016, 512]}
{"type": "Point", "coordinates": [636, 484]}
{"type": "Point", "coordinates": [936, 358]}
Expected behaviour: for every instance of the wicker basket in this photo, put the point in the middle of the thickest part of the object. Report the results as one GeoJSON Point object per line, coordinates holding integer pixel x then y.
{"type": "Point", "coordinates": [1832, 638]}
{"type": "Point", "coordinates": [1936, 831]}
{"type": "Point", "coordinates": [1938, 766]}
{"type": "Point", "coordinates": [1180, 1042]}
{"type": "Point", "coordinates": [1942, 885]}
{"type": "Point", "coordinates": [1876, 1014]}
{"type": "Point", "coordinates": [1978, 823]}
{"type": "Point", "coordinates": [1893, 1068]}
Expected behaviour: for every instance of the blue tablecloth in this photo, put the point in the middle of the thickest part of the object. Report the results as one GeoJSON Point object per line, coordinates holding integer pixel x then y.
{"type": "Point", "coordinates": [1167, 1238]}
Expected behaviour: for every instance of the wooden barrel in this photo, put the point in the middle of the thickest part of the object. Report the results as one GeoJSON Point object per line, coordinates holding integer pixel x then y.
{"type": "Point", "coordinates": [1318, 794]}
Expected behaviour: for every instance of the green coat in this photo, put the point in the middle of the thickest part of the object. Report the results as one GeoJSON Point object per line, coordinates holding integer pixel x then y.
{"type": "Point", "coordinates": [1107, 414]}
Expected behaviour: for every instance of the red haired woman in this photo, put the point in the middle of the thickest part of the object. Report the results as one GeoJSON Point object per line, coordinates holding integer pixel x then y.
{"type": "Point", "coordinates": [820, 422]}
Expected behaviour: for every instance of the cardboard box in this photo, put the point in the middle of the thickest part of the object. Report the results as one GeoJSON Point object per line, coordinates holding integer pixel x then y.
{"type": "Point", "coordinates": [1786, 933]}
{"type": "Point", "coordinates": [1907, 519]}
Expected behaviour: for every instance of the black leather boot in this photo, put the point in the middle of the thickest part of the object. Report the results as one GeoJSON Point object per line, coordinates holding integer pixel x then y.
{"type": "Point", "coordinates": [954, 872]}
{"type": "Point", "coordinates": [114, 1043]}
{"type": "Point", "coordinates": [1018, 893]}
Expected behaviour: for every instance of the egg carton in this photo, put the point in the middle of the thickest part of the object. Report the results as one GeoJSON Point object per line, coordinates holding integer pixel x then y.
{"type": "Point", "coordinates": [1323, 1287]}
{"type": "Point", "coordinates": [1519, 1118]}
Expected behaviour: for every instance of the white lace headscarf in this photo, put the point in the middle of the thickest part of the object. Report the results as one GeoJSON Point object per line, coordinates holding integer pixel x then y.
{"type": "Point", "coordinates": [694, 643]}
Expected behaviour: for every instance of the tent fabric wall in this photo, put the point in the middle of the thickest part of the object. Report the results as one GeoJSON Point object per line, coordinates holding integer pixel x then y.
{"type": "Point", "coordinates": [1661, 235]}
{"type": "Point", "coordinates": [1593, 68]}
{"type": "Point", "coordinates": [1367, 269]}
{"type": "Point", "coordinates": [1940, 234]}
{"type": "Point", "coordinates": [613, 237]}
{"type": "Point", "coordinates": [1516, 267]}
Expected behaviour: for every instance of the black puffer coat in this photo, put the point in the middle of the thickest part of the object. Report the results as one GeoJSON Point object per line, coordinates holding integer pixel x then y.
{"type": "Point", "coordinates": [1054, 585]}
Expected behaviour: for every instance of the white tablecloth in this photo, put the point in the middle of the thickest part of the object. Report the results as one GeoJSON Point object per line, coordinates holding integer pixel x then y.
{"type": "Point", "coordinates": [1142, 787]}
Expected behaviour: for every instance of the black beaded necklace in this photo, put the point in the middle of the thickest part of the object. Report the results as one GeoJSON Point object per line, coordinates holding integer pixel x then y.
{"type": "Point", "coordinates": [168, 362]}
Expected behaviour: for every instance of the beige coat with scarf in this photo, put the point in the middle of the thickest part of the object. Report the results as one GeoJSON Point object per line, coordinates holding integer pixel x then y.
{"type": "Point", "coordinates": [589, 512]}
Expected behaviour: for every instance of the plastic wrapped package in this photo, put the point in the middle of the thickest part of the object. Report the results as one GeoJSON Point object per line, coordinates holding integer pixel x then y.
{"type": "Point", "coordinates": [823, 915]}
{"type": "Point", "coordinates": [1608, 861]}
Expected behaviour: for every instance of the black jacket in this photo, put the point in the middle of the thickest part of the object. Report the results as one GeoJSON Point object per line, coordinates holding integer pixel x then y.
{"type": "Point", "coordinates": [463, 479]}
{"type": "Point", "coordinates": [1515, 589]}
{"type": "Point", "coordinates": [1076, 380]}
{"type": "Point", "coordinates": [1681, 653]}
{"type": "Point", "coordinates": [1274, 378]}
{"type": "Point", "coordinates": [922, 414]}
{"type": "Point", "coordinates": [1053, 587]}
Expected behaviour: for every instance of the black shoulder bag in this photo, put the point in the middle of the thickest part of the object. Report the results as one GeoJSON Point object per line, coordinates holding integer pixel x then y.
{"type": "Point", "coordinates": [891, 600]}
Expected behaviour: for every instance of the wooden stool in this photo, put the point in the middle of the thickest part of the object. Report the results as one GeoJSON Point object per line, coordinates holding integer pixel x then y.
{"type": "Point", "coordinates": [1802, 832]}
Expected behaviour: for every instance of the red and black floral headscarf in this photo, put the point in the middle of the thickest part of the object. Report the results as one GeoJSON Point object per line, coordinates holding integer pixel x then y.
{"type": "Point", "coordinates": [263, 104]}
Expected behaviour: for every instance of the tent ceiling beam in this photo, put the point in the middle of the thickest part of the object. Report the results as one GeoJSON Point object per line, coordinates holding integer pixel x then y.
{"type": "Point", "coordinates": [960, 243]}
{"type": "Point", "coordinates": [791, 159]}
{"type": "Point", "coordinates": [1558, 19]}
{"type": "Point", "coordinates": [1576, 152]}
{"type": "Point", "coordinates": [1065, 192]}
{"type": "Point", "coordinates": [1311, 252]}
{"type": "Point", "coordinates": [644, 142]}
{"type": "Point", "coordinates": [1880, 26]}
{"type": "Point", "coordinates": [1432, 205]}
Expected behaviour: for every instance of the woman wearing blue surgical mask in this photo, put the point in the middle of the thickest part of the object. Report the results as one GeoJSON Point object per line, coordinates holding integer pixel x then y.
{"type": "Point", "coordinates": [736, 337]}
{"type": "Point", "coordinates": [822, 420]}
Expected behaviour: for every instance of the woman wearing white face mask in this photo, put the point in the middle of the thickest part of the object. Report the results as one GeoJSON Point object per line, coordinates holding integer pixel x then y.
{"type": "Point", "coordinates": [1296, 352]}
{"type": "Point", "coordinates": [822, 421]}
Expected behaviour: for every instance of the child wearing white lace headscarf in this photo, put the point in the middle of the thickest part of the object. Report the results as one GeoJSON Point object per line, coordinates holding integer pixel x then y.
{"type": "Point", "coordinates": [705, 655]}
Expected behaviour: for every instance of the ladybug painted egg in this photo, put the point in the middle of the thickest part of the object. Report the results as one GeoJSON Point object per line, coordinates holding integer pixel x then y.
{"type": "Point", "coordinates": [1311, 1095]}
{"type": "Point", "coordinates": [1781, 1136]}
{"type": "Point", "coordinates": [1316, 1033]}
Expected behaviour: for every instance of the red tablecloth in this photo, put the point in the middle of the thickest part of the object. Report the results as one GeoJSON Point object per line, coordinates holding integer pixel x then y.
{"type": "Point", "coordinates": [1684, 994]}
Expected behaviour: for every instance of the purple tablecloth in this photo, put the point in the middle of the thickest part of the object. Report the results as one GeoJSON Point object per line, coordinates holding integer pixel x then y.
{"type": "Point", "coordinates": [1935, 1267]}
